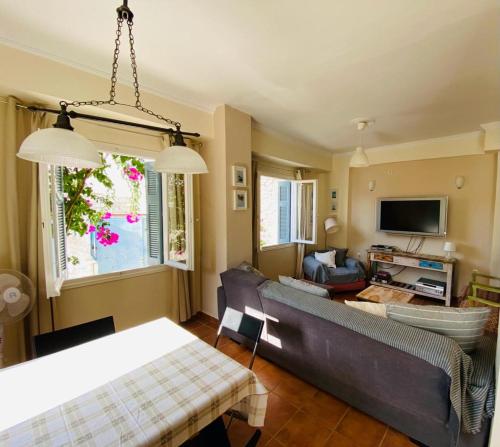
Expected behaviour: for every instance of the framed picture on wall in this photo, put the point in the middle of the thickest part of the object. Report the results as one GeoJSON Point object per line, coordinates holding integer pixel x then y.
{"type": "Point", "coordinates": [240, 200]}
{"type": "Point", "coordinates": [239, 176]}
{"type": "Point", "coordinates": [333, 199]}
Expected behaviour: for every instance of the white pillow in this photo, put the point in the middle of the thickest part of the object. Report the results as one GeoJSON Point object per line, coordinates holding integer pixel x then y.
{"type": "Point", "coordinates": [304, 286]}
{"type": "Point", "coordinates": [327, 258]}
{"type": "Point", "coordinates": [372, 308]}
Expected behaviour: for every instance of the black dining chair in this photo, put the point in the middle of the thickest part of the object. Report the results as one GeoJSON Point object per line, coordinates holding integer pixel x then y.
{"type": "Point", "coordinates": [51, 342]}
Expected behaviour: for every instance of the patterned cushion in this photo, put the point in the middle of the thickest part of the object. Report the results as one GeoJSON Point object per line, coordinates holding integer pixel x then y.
{"type": "Point", "coordinates": [304, 286]}
{"type": "Point", "coordinates": [247, 267]}
{"type": "Point", "coordinates": [372, 308]}
{"type": "Point", "coordinates": [465, 326]}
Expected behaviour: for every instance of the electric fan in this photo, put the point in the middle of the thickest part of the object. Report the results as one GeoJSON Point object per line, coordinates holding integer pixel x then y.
{"type": "Point", "coordinates": [17, 296]}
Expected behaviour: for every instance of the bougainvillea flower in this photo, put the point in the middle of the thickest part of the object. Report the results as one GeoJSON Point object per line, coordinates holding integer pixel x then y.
{"type": "Point", "coordinates": [133, 174]}
{"type": "Point", "coordinates": [91, 229]}
{"type": "Point", "coordinates": [106, 237]}
{"type": "Point", "coordinates": [132, 218]}
{"type": "Point", "coordinates": [106, 215]}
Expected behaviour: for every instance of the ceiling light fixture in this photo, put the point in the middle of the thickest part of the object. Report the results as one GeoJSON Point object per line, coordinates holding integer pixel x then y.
{"type": "Point", "coordinates": [359, 159]}
{"type": "Point", "coordinates": [62, 146]}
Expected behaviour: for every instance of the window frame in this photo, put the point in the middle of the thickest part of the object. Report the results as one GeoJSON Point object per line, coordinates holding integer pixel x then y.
{"type": "Point", "coordinates": [188, 211]}
{"type": "Point", "coordinates": [293, 219]}
{"type": "Point", "coordinates": [293, 205]}
{"type": "Point", "coordinates": [55, 283]}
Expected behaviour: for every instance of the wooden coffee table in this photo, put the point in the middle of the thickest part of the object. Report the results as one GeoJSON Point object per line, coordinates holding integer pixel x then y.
{"type": "Point", "coordinates": [380, 294]}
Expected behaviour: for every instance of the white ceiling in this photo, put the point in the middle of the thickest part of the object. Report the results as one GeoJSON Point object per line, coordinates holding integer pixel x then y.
{"type": "Point", "coordinates": [421, 68]}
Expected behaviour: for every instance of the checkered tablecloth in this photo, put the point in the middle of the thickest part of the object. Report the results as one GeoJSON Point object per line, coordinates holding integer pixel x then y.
{"type": "Point", "coordinates": [164, 402]}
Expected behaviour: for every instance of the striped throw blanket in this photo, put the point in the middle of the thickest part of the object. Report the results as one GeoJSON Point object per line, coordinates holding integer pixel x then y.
{"type": "Point", "coordinates": [472, 388]}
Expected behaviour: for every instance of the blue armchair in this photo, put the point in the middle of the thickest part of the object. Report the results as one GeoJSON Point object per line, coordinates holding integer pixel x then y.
{"type": "Point", "coordinates": [350, 277]}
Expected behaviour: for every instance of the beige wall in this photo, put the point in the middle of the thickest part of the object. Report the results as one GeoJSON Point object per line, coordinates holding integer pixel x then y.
{"type": "Point", "coordinates": [226, 234]}
{"type": "Point", "coordinates": [470, 213]}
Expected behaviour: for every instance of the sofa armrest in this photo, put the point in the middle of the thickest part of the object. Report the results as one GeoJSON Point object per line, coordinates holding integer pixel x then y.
{"type": "Point", "coordinates": [317, 271]}
{"type": "Point", "coordinates": [354, 264]}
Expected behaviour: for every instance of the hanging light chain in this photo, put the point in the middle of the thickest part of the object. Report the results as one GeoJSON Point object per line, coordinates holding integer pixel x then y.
{"type": "Point", "coordinates": [123, 14]}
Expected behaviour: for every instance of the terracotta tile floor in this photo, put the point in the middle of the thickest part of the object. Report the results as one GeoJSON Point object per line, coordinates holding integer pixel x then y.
{"type": "Point", "coordinates": [299, 414]}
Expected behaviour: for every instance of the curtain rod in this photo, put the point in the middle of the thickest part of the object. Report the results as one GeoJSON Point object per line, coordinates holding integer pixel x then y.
{"type": "Point", "coordinates": [85, 116]}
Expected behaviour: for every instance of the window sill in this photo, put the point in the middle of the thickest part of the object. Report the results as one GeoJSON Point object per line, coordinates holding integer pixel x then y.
{"type": "Point", "coordinates": [115, 276]}
{"type": "Point", "coordinates": [277, 246]}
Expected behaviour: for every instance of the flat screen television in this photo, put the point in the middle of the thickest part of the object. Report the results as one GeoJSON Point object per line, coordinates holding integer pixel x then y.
{"type": "Point", "coordinates": [419, 216]}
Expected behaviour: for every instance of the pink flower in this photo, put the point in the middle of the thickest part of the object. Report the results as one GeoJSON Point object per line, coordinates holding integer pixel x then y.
{"type": "Point", "coordinates": [106, 215]}
{"type": "Point", "coordinates": [88, 202]}
{"type": "Point", "coordinates": [106, 237]}
{"type": "Point", "coordinates": [132, 218]}
{"type": "Point", "coordinates": [133, 174]}
{"type": "Point", "coordinates": [90, 229]}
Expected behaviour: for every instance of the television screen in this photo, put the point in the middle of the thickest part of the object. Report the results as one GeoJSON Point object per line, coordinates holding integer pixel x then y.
{"type": "Point", "coordinates": [419, 216]}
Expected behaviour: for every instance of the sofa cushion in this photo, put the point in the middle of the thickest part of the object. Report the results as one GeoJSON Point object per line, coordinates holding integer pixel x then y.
{"type": "Point", "coordinates": [340, 256]}
{"type": "Point", "coordinates": [464, 325]}
{"type": "Point", "coordinates": [304, 286]}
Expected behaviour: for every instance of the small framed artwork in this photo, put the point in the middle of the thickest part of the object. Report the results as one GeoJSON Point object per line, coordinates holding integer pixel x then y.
{"type": "Point", "coordinates": [333, 194]}
{"type": "Point", "coordinates": [333, 206]}
{"type": "Point", "coordinates": [239, 176]}
{"type": "Point", "coordinates": [240, 200]}
{"type": "Point", "coordinates": [333, 200]}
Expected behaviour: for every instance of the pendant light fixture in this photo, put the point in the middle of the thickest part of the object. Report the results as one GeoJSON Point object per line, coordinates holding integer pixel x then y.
{"type": "Point", "coordinates": [62, 146]}
{"type": "Point", "coordinates": [359, 159]}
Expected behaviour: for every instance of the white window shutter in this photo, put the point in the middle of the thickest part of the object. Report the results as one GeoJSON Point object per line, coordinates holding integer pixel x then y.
{"type": "Point", "coordinates": [53, 227]}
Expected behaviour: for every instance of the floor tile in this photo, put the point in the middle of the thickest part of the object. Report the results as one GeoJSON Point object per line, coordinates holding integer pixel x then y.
{"type": "Point", "coordinates": [273, 443]}
{"type": "Point", "coordinates": [339, 440]}
{"type": "Point", "coordinates": [231, 349]}
{"type": "Point", "coordinates": [278, 413]}
{"type": "Point", "coordinates": [271, 376]}
{"type": "Point", "coordinates": [202, 330]}
{"type": "Point", "coordinates": [396, 439]}
{"type": "Point", "coordinates": [303, 430]}
{"type": "Point", "coordinates": [361, 428]}
{"type": "Point", "coordinates": [295, 390]}
{"type": "Point", "coordinates": [326, 407]}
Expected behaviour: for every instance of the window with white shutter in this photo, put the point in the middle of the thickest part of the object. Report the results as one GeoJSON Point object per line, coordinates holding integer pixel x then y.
{"type": "Point", "coordinates": [287, 211]}
{"type": "Point", "coordinates": [122, 217]}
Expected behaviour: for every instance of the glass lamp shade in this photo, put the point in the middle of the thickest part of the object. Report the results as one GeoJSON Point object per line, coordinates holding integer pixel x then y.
{"type": "Point", "coordinates": [180, 160]}
{"type": "Point", "coordinates": [359, 159]}
{"type": "Point", "coordinates": [331, 225]}
{"type": "Point", "coordinates": [60, 147]}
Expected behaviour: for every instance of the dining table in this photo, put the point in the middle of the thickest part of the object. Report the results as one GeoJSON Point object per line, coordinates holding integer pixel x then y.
{"type": "Point", "coordinates": [150, 385]}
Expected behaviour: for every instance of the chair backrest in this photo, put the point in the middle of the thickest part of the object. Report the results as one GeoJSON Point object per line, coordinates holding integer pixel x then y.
{"type": "Point", "coordinates": [73, 336]}
{"type": "Point", "coordinates": [243, 324]}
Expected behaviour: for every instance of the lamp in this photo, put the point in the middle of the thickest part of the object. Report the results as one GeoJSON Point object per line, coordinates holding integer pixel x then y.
{"type": "Point", "coordinates": [62, 146]}
{"type": "Point", "coordinates": [331, 226]}
{"type": "Point", "coordinates": [459, 181]}
{"type": "Point", "coordinates": [449, 248]}
{"type": "Point", "coordinates": [179, 159]}
{"type": "Point", "coordinates": [359, 159]}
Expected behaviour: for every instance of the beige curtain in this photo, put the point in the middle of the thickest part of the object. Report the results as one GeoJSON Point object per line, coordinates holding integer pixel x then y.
{"type": "Point", "coordinates": [299, 271]}
{"type": "Point", "coordinates": [20, 227]}
{"type": "Point", "coordinates": [185, 287]}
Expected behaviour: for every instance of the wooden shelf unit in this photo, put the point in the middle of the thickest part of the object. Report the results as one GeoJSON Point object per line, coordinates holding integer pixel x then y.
{"type": "Point", "coordinates": [414, 260]}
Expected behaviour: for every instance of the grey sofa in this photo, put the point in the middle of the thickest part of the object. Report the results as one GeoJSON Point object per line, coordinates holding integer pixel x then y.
{"type": "Point", "coordinates": [397, 388]}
